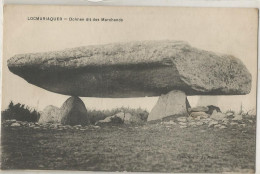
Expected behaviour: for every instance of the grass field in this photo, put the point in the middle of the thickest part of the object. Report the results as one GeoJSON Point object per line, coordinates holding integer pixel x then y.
{"type": "Point", "coordinates": [151, 147]}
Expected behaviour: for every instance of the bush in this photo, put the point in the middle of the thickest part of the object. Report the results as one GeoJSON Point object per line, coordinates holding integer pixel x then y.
{"type": "Point", "coordinates": [20, 112]}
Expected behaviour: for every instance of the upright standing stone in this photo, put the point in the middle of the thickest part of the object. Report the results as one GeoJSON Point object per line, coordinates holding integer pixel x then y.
{"type": "Point", "coordinates": [74, 112]}
{"type": "Point", "coordinates": [172, 104]}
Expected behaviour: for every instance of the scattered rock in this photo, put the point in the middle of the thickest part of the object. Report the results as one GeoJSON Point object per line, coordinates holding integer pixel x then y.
{"type": "Point", "coordinates": [192, 123]}
{"type": "Point", "coordinates": [237, 117]}
{"type": "Point", "coordinates": [182, 119]}
{"type": "Point", "coordinates": [217, 125]}
{"type": "Point", "coordinates": [212, 123]}
{"type": "Point", "coordinates": [182, 123]}
{"type": "Point", "coordinates": [190, 118]}
{"type": "Point", "coordinates": [229, 114]}
{"type": "Point", "coordinates": [110, 120]}
{"type": "Point", "coordinates": [222, 127]}
{"type": "Point", "coordinates": [15, 125]}
{"type": "Point", "coordinates": [199, 114]}
{"type": "Point", "coordinates": [225, 122]}
{"type": "Point", "coordinates": [197, 118]}
{"type": "Point", "coordinates": [233, 123]}
{"type": "Point", "coordinates": [170, 123]}
{"type": "Point", "coordinates": [243, 125]}
{"type": "Point", "coordinates": [199, 109]}
{"type": "Point", "coordinates": [217, 115]}
{"type": "Point", "coordinates": [199, 123]}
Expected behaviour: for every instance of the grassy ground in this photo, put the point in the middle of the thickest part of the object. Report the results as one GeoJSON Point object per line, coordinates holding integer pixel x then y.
{"type": "Point", "coordinates": [151, 147]}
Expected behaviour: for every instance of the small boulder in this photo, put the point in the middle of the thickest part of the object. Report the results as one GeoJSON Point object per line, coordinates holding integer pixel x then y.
{"type": "Point", "coordinates": [222, 127]}
{"type": "Point", "coordinates": [229, 114]}
{"type": "Point", "coordinates": [217, 125]}
{"type": "Point", "coordinates": [212, 123]}
{"type": "Point", "coordinates": [233, 123]}
{"type": "Point", "coordinates": [133, 119]}
{"type": "Point", "coordinates": [199, 109]}
{"type": "Point", "coordinates": [182, 119]}
{"type": "Point", "coordinates": [110, 120]}
{"type": "Point", "coordinates": [15, 125]}
{"type": "Point", "coordinates": [217, 115]}
{"type": "Point", "coordinates": [50, 114]}
{"type": "Point", "coordinates": [182, 123]}
{"type": "Point", "coordinates": [237, 117]}
{"type": "Point", "coordinates": [199, 123]}
{"type": "Point", "coordinates": [169, 123]}
{"type": "Point", "coordinates": [199, 114]}
{"type": "Point", "coordinates": [192, 123]}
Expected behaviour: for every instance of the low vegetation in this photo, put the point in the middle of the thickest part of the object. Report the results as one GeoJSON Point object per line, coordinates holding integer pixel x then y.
{"type": "Point", "coordinates": [20, 112]}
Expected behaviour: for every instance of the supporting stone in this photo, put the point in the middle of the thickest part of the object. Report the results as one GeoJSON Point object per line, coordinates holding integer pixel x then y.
{"type": "Point", "coordinates": [74, 112]}
{"type": "Point", "coordinates": [171, 104]}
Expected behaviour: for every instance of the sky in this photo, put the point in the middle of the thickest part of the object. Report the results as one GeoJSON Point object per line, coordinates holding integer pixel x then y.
{"type": "Point", "coordinates": [221, 30]}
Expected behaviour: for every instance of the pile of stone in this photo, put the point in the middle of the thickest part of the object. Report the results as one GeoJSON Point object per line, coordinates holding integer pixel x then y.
{"type": "Point", "coordinates": [45, 126]}
{"type": "Point", "coordinates": [212, 117]}
{"type": "Point", "coordinates": [123, 118]}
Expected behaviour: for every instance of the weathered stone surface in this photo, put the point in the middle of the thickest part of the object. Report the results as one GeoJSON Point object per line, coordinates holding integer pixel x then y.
{"type": "Point", "coordinates": [73, 112]}
{"type": "Point", "coordinates": [171, 104]}
{"type": "Point", "coordinates": [50, 114]}
{"type": "Point", "coordinates": [135, 69]}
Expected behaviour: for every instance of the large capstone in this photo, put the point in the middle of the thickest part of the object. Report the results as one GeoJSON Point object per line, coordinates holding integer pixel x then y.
{"type": "Point", "coordinates": [174, 103]}
{"type": "Point", "coordinates": [135, 69]}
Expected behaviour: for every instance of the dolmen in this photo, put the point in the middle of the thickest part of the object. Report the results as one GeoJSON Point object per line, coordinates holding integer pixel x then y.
{"type": "Point", "coordinates": [172, 70]}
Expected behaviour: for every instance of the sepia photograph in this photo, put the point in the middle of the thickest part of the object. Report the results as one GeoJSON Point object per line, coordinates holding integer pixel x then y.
{"type": "Point", "coordinates": [129, 89]}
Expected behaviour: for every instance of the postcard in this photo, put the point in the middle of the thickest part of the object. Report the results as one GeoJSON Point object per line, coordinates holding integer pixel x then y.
{"type": "Point", "coordinates": [136, 89]}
